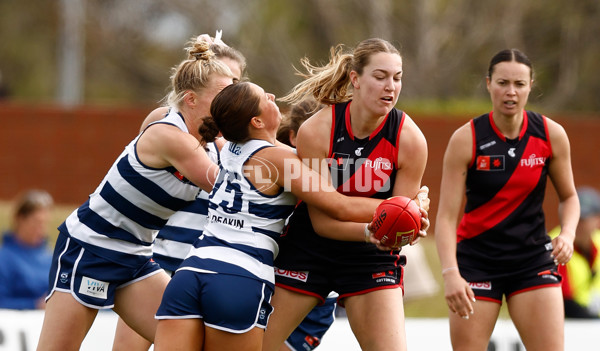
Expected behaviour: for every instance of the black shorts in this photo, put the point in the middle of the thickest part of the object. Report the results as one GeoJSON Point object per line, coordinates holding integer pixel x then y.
{"type": "Point", "coordinates": [314, 265]}
{"type": "Point", "coordinates": [494, 289]}
{"type": "Point", "coordinates": [319, 283]}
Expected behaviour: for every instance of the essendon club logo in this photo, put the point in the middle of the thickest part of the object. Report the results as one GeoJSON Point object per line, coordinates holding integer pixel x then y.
{"type": "Point", "coordinates": [339, 160]}
{"type": "Point", "coordinates": [490, 163]}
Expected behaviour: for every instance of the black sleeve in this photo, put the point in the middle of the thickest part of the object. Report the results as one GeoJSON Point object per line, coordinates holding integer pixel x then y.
{"type": "Point", "coordinates": [575, 310]}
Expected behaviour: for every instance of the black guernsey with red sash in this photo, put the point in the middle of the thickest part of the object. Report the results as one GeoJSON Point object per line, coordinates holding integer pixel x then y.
{"type": "Point", "coordinates": [503, 228]}
{"type": "Point", "coordinates": [359, 167]}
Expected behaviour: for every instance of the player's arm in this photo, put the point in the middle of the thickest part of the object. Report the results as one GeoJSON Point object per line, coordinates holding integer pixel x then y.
{"type": "Point", "coordinates": [561, 175]}
{"type": "Point", "coordinates": [313, 188]}
{"type": "Point", "coordinates": [164, 145]}
{"type": "Point", "coordinates": [410, 172]}
{"type": "Point", "coordinates": [312, 144]}
{"type": "Point", "coordinates": [457, 157]}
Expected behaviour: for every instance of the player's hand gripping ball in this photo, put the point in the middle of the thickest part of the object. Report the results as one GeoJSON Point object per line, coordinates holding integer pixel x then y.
{"type": "Point", "coordinates": [396, 221]}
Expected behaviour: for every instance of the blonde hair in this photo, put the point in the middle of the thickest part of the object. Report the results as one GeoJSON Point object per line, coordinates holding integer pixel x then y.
{"type": "Point", "coordinates": [194, 72]}
{"type": "Point", "coordinates": [224, 51]}
{"type": "Point", "coordinates": [330, 84]}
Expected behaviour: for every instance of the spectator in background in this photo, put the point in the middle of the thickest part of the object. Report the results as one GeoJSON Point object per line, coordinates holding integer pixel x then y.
{"type": "Point", "coordinates": [25, 255]}
{"type": "Point", "coordinates": [581, 281]}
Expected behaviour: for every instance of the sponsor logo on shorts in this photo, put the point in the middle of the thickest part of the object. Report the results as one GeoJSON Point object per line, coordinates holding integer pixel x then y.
{"type": "Point", "coordinates": [94, 288]}
{"type": "Point", "coordinates": [311, 342]}
{"type": "Point", "coordinates": [298, 275]}
{"type": "Point", "coordinates": [262, 316]}
{"type": "Point", "coordinates": [384, 277]}
{"type": "Point", "coordinates": [378, 275]}
{"type": "Point", "coordinates": [481, 285]}
{"type": "Point", "coordinates": [548, 274]}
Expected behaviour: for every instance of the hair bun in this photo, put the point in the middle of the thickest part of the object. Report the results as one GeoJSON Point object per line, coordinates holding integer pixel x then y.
{"type": "Point", "coordinates": [200, 50]}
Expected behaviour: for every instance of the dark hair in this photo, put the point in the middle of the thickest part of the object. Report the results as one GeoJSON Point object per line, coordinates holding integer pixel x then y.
{"type": "Point", "coordinates": [299, 113]}
{"type": "Point", "coordinates": [208, 129]}
{"type": "Point", "coordinates": [230, 112]}
{"type": "Point", "coordinates": [31, 201]}
{"type": "Point", "coordinates": [509, 55]}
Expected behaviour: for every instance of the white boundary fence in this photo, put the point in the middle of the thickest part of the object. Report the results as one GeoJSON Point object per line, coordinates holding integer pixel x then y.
{"type": "Point", "coordinates": [19, 331]}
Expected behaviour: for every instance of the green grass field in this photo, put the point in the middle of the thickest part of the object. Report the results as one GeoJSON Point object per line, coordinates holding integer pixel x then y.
{"type": "Point", "coordinates": [433, 306]}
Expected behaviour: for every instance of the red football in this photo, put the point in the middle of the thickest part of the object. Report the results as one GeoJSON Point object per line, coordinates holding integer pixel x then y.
{"type": "Point", "coordinates": [396, 221]}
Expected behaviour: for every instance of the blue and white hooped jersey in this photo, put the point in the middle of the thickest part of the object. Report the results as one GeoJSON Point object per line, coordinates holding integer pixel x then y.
{"type": "Point", "coordinates": [243, 223]}
{"type": "Point", "coordinates": [175, 239]}
{"type": "Point", "coordinates": [122, 217]}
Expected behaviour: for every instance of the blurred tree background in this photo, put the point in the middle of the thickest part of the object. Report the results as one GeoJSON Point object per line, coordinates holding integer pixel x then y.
{"type": "Point", "coordinates": [119, 52]}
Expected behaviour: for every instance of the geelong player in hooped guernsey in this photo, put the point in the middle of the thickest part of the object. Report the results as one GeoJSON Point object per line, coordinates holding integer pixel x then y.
{"type": "Point", "coordinates": [243, 224]}
{"type": "Point", "coordinates": [103, 254]}
{"type": "Point", "coordinates": [249, 204]}
{"type": "Point", "coordinates": [131, 204]}
{"type": "Point", "coordinates": [174, 240]}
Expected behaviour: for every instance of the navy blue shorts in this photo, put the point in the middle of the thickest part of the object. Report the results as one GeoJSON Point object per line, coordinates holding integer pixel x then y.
{"type": "Point", "coordinates": [307, 336]}
{"type": "Point", "coordinates": [91, 279]}
{"type": "Point", "coordinates": [319, 283]}
{"type": "Point", "coordinates": [494, 290]}
{"type": "Point", "coordinates": [226, 302]}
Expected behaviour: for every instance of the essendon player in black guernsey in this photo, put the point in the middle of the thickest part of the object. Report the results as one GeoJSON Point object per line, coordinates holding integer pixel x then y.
{"type": "Point", "coordinates": [372, 150]}
{"type": "Point", "coordinates": [500, 248]}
